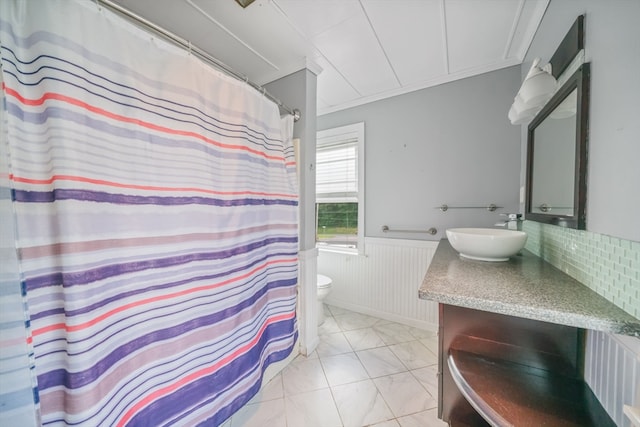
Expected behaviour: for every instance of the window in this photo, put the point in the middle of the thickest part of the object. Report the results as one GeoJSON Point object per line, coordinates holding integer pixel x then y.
{"type": "Point", "coordinates": [340, 187]}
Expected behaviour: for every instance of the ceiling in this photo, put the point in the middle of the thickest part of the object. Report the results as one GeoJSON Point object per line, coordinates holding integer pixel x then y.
{"type": "Point", "coordinates": [362, 50]}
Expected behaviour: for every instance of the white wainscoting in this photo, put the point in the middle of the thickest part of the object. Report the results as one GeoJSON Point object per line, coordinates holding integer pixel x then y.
{"type": "Point", "coordinates": [384, 282]}
{"type": "Point", "coordinates": [612, 370]}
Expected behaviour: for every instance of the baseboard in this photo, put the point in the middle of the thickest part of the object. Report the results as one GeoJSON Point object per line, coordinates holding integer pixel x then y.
{"type": "Point", "coordinates": [382, 315]}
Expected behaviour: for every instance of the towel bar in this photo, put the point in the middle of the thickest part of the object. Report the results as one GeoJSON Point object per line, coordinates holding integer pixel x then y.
{"type": "Point", "coordinates": [491, 207]}
{"type": "Point", "coordinates": [432, 230]}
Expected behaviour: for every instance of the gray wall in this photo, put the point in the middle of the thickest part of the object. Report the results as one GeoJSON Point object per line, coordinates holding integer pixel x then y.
{"type": "Point", "coordinates": [298, 90]}
{"type": "Point", "coordinates": [612, 45]}
{"type": "Point", "coordinates": [448, 144]}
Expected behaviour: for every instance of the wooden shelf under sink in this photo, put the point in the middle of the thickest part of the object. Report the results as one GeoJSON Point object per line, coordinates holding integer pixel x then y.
{"type": "Point", "coordinates": [509, 394]}
{"type": "Point", "coordinates": [498, 370]}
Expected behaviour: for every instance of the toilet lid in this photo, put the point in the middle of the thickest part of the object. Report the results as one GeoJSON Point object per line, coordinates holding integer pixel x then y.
{"type": "Point", "coordinates": [323, 281]}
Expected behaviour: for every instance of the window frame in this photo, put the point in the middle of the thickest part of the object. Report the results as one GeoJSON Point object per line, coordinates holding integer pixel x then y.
{"type": "Point", "coordinates": [354, 129]}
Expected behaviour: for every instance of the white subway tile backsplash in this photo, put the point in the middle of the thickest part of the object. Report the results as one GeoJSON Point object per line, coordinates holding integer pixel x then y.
{"type": "Point", "coordinates": [611, 267]}
{"type": "Point", "coordinates": [608, 265]}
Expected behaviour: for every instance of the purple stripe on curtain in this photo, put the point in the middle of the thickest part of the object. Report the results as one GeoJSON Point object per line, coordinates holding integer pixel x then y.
{"type": "Point", "coordinates": [141, 291]}
{"type": "Point", "coordinates": [73, 380]}
{"type": "Point", "coordinates": [156, 219]}
{"type": "Point", "coordinates": [166, 408]}
{"type": "Point", "coordinates": [120, 199]}
{"type": "Point", "coordinates": [109, 271]}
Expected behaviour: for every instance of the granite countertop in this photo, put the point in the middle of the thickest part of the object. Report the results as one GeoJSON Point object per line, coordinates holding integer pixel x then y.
{"type": "Point", "coordinates": [525, 286]}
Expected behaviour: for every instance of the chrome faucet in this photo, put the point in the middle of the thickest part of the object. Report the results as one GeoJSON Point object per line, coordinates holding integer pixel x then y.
{"type": "Point", "coordinates": [513, 221]}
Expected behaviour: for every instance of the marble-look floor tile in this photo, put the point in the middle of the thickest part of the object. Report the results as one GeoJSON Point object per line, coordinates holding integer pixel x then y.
{"type": "Point", "coordinates": [336, 311]}
{"type": "Point", "coordinates": [329, 326]}
{"type": "Point", "coordinates": [390, 423]}
{"type": "Point", "coordinates": [312, 409]}
{"type": "Point", "coordinates": [303, 376]}
{"type": "Point", "coordinates": [394, 333]}
{"type": "Point", "coordinates": [333, 344]}
{"type": "Point", "coordinates": [423, 419]}
{"type": "Point", "coordinates": [404, 394]}
{"type": "Point", "coordinates": [326, 311]}
{"type": "Point", "coordinates": [343, 369]}
{"type": "Point", "coordinates": [428, 377]}
{"type": "Point", "coordinates": [423, 333]}
{"type": "Point", "coordinates": [414, 355]}
{"type": "Point", "coordinates": [271, 413]}
{"type": "Point", "coordinates": [380, 374]}
{"type": "Point", "coordinates": [380, 361]}
{"type": "Point", "coordinates": [430, 343]}
{"type": "Point", "coordinates": [352, 321]}
{"type": "Point", "coordinates": [270, 391]}
{"type": "Point", "coordinates": [363, 339]}
{"type": "Point", "coordinates": [361, 404]}
{"type": "Point", "coordinates": [313, 355]}
{"type": "Point", "coordinates": [382, 321]}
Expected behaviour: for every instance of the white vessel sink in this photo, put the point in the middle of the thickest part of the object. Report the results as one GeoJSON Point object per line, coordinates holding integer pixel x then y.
{"type": "Point", "coordinates": [486, 244]}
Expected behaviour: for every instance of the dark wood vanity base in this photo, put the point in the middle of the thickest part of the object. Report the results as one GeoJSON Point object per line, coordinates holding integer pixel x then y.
{"type": "Point", "coordinates": [512, 371]}
{"type": "Point", "coordinates": [514, 333]}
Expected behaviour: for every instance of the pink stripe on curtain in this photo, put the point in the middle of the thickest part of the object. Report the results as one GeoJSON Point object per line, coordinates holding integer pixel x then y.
{"type": "Point", "coordinates": [155, 209]}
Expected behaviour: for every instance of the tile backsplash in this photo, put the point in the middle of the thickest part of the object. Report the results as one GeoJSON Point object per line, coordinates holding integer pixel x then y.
{"type": "Point", "coordinates": [611, 267]}
{"type": "Point", "coordinates": [608, 265]}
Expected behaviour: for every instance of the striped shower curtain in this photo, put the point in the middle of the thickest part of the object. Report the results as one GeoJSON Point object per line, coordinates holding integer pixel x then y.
{"type": "Point", "coordinates": [155, 238]}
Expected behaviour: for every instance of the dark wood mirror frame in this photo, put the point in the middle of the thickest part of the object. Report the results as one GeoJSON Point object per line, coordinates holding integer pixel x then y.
{"type": "Point", "coordinates": [580, 81]}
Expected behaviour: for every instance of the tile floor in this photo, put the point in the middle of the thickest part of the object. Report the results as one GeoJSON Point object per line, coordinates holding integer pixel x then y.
{"type": "Point", "coordinates": [365, 372]}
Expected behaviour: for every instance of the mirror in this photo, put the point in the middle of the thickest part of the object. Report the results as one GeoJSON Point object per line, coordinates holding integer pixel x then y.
{"type": "Point", "coordinates": [557, 156]}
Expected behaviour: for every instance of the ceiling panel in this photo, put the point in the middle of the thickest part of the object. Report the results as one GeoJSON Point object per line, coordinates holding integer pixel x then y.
{"type": "Point", "coordinates": [182, 19]}
{"type": "Point", "coordinates": [417, 52]}
{"type": "Point", "coordinates": [531, 15]}
{"type": "Point", "coordinates": [174, 15]}
{"type": "Point", "coordinates": [263, 30]}
{"type": "Point", "coordinates": [369, 49]}
{"type": "Point", "coordinates": [333, 88]}
{"type": "Point", "coordinates": [478, 31]}
{"type": "Point", "coordinates": [314, 17]}
{"type": "Point", "coordinates": [351, 47]}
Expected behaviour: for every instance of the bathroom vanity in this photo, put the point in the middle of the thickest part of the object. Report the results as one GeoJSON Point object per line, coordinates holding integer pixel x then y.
{"type": "Point", "coordinates": [511, 341]}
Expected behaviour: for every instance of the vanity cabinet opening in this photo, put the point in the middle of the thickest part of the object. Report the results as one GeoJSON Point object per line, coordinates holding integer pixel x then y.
{"type": "Point", "coordinates": [501, 370]}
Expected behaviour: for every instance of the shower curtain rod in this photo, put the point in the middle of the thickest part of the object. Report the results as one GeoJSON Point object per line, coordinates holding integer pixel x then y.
{"type": "Point", "coordinates": [185, 44]}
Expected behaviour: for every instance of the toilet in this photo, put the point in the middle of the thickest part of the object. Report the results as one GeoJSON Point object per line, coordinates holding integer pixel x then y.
{"type": "Point", "coordinates": [324, 287]}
